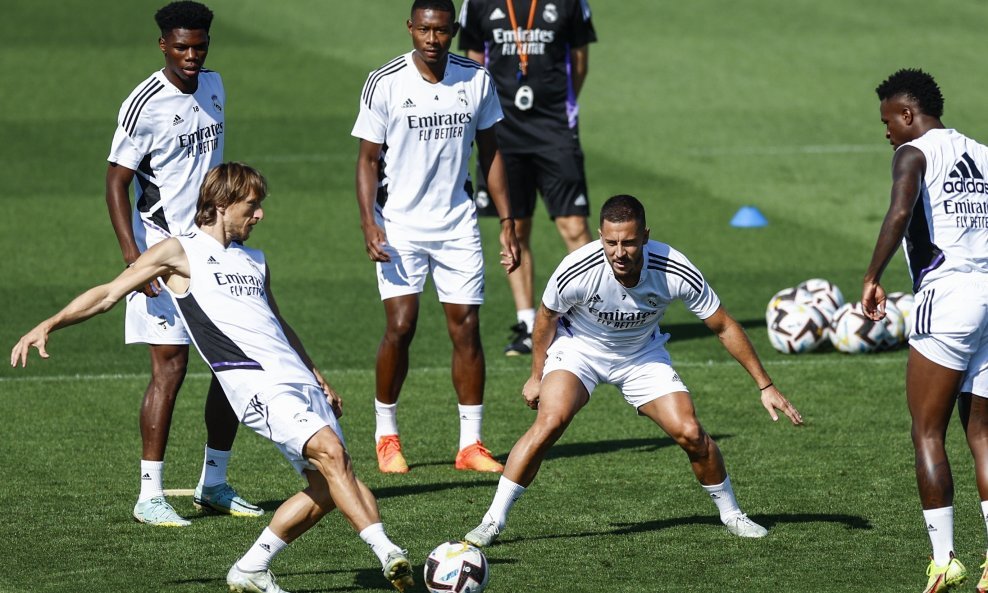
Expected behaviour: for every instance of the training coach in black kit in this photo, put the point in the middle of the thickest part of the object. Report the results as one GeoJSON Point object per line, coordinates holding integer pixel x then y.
{"type": "Point", "coordinates": [537, 52]}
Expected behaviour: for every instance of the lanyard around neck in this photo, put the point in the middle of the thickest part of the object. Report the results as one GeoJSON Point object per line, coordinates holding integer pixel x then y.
{"type": "Point", "coordinates": [521, 47]}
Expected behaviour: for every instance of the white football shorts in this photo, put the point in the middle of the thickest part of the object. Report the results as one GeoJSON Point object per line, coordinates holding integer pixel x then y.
{"type": "Point", "coordinates": [950, 327]}
{"type": "Point", "coordinates": [153, 321]}
{"type": "Point", "coordinates": [288, 416]}
{"type": "Point", "coordinates": [456, 265]}
{"type": "Point", "coordinates": [641, 376]}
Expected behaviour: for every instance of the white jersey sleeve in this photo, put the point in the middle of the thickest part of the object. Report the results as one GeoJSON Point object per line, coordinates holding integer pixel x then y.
{"type": "Point", "coordinates": [490, 107]}
{"type": "Point", "coordinates": [373, 117]}
{"type": "Point", "coordinates": [685, 281]}
{"type": "Point", "coordinates": [134, 137]}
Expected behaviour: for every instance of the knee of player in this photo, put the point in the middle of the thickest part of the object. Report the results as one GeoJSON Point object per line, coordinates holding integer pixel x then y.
{"type": "Point", "coordinates": [692, 438]}
{"type": "Point", "coordinates": [400, 329]}
{"type": "Point", "coordinates": [327, 454]}
{"type": "Point", "coordinates": [169, 373]}
{"type": "Point", "coordinates": [549, 426]}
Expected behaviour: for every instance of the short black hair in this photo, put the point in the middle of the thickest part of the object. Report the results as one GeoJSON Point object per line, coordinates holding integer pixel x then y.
{"type": "Point", "coordinates": [183, 15]}
{"type": "Point", "coordinates": [918, 86]}
{"type": "Point", "coordinates": [440, 5]}
{"type": "Point", "coordinates": [623, 208]}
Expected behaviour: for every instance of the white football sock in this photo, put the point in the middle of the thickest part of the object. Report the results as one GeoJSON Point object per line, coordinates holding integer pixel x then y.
{"type": "Point", "coordinates": [984, 512]}
{"type": "Point", "coordinates": [259, 556]}
{"type": "Point", "coordinates": [151, 480]}
{"type": "Point", "coordinates": [386, 416]}
{"type": "Point", "coordinates": [504, 498]}
{"type": "Point", "coordinates": [214, 464]}
{"type": "Point", "coordinates": [723, 496]}
{"type": "Point", "coordinates": [527, 316]}
{"type": "Point", "coordinates": [374, 536]}
{"type": "Point", "coordinates": [940, 528]}
{"type": "Point", "coordinates": [471, 418]}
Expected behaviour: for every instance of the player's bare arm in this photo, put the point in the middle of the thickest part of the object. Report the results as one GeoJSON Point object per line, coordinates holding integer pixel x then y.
{"type": "Point", "coordinates": [908, 169]}
{"type": "Point", "coordinates": [368, 165]}
{"type": "Point", "coordinates": [543, 334]}
{"type": "Point", "coordinates": [332, 397]}
{"type": "Point", "coordinates": [579, 66]}
{"type": "Point", "coordinates": [166, 260]}
{"type": "Point", "coordinates": [118, 180]}
{"type": "Point", "coordinates": [736, 342]}
{"type": "Point", "coordinates": [492, 167]}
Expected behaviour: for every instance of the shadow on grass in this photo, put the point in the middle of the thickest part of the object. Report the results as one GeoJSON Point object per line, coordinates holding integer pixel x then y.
{"type": "Point", "coordinates": [592, 447]}
{"type": "Point", "coordinates": [364, 579]}
{"type": "Point", "coordinates": [769, 521]}
{"type": "Point", "coordinates": [694, 330]}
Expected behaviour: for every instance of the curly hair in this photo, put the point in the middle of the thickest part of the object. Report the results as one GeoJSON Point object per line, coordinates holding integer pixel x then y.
{"type": "Point", "coordinates": [918, 86]}
{"type": "Point", "coordinates": [225, 185]}
{"type": "Point", "coordinates": [623, 208]}
{"type": "Point", "coordinates": [183, 15]}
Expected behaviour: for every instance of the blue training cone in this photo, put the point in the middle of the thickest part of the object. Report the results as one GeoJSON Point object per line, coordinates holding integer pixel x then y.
{"type": "Point", "coordinates": [749, 217]}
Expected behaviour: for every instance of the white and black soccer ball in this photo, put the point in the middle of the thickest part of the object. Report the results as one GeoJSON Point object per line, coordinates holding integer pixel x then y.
{"type": "Point", "coordinates": [854, 333]}
{"type": "Point", "coordinates": [786, 295]}
{"type": "Point", "coordinates": [904, 302]}
{"type": "Point", "coordinates": [895, 323]}
{"type": "Point", "coordinates": [822, 294]}
{"type": "Point", "coordinates": [456, 567]}
{"type": "Point", "coordinates": [794, 328]}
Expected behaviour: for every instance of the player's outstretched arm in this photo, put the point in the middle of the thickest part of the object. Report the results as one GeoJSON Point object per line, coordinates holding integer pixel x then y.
{"type": "Point", "coordinates": [161, 260]}
{"type": "Point", "coordinates": [492, 167]}
{"type": "Point", "coordinates": [735, 341]}
{"type": "Point", "coordinates": [332, 397]}
{"type": "Point", "coordinates": [908, 169]}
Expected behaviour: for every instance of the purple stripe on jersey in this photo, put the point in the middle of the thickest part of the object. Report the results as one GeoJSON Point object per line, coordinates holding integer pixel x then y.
{"type": "Point", "coordinates": [218, 366]}
{"type": "Point", "coordinates": [933, 265]}
{"type": "Point", "coordinates": [572, 109]}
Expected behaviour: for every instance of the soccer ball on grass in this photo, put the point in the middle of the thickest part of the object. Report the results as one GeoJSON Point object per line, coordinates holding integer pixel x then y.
{"type": "Point", "coordinates": [456, 567]}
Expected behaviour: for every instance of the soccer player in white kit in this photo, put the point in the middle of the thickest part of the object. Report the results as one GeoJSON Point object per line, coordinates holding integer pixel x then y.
{"type": "Point", "coordinates": [599, 323]}
{"type": "Point", "coordinates": [170, 132]}
{"type": "Point", "coordinates": [939, 212]}
{"type": "Point", "coordinates": [419, 116]}
{"type": "Point", "coordinates": [224, 295]}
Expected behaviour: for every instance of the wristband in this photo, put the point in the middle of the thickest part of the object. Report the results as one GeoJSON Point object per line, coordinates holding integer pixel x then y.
{"type": "Point", "coordinates": [766, 387]}
{"type": "Point", "coordinates": [511, 218]}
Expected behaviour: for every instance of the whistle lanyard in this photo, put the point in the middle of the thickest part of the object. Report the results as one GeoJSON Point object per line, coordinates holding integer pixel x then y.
{"type": "Point", "coordinates": [521, 47]}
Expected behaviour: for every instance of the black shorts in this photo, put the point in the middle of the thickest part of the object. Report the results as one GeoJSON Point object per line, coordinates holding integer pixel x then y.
{"type": "Point", "coordinates": [556, 173]}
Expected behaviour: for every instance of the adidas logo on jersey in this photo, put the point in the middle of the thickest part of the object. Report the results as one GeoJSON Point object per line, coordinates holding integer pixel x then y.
{"type": "Point", "coordinates": [965, 177]}
{"type": "Point", "coordinates": [177, 120]}
{"type": "Point", "coordinates": [408, 104]}
{"type": "Point", "coordinates": [497, 14]}
{"type": "Point", "coordinates": [212, 260]}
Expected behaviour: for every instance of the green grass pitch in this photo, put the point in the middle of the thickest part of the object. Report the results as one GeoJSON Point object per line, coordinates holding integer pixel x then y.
{"type": "Point", "coordinates": [696, 107]}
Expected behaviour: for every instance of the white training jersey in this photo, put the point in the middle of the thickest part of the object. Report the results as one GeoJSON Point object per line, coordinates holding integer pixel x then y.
{"type": "Point", "coordinates": [427, 131]}
{"type": "Point", "coordinates": [599, 309]}
{"type": "Point", "coordinates": [948, 231]}
{"type": "Point", "coordinates": [232, 325]}
{"type": "Point", "coordinates": [171, 140]}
